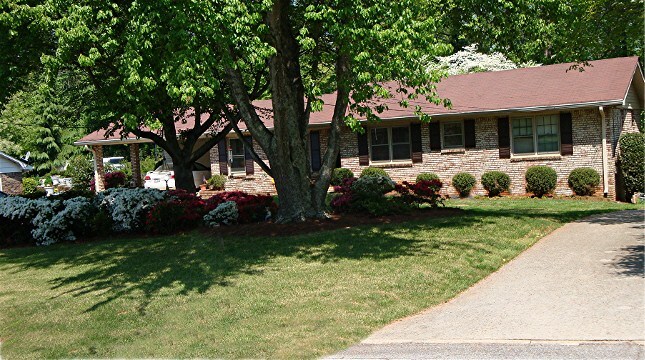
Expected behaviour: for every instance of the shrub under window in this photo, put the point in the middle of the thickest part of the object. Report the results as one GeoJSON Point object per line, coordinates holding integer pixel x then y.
{"type": "Point", "coordinates": [541, 180]}
{"type": "Point", "coordinates": [340, 174]}
{"type": "Point", "coordinates": [496, 182]}
{"type": "Point", "coordinates": [584, 181]}
{"type": "Point", "coordinates": [374, 171]}
{"type": "Point", "coordinates": [463, 183]}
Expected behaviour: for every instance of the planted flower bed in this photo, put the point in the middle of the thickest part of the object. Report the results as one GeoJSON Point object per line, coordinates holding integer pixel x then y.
{"type": "Point", "coordinates": [45, 221]}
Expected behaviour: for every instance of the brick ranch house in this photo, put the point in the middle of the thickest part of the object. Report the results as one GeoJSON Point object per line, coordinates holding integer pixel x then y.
{"type": "Point", "coordinates": [506, 120]}
{"type": "Point", "coordinates": [11, 170]}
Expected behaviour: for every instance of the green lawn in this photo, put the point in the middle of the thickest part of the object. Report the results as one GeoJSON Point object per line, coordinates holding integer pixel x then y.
{"type": "Point", "coordinates": [294, 297]}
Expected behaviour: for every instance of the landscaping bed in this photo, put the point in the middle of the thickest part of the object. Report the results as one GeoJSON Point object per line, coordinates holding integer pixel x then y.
{"type": "Point", "coordinates": [335, 221]}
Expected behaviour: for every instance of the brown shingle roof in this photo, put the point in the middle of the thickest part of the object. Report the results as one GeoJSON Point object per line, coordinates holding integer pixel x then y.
{"type": "Point", "coordinates": [603, 82]}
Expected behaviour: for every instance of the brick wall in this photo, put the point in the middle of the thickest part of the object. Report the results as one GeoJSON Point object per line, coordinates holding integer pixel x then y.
{"type": "Point", "coordinates": [484, 157]}
{"type": "Point", "coordinates": [11, 183]}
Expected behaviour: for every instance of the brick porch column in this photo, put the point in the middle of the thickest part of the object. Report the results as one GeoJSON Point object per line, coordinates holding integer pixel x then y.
{"type": "Point", "coordinates": [136, 165]}
{"type": "Point", "coordinates": [99, 171]}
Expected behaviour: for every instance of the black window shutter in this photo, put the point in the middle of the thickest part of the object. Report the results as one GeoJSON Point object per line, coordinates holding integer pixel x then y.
{"type": "Point", "coordinates": [503, 138]}
{"type": "Point", "coordinates": [314, 148]}
{"type": "Point", "coordinates": [566, 134]}
{"type": "Point", "coordinates": [469, 134]}
{"type": "Point", "coordinates": [338, 164]}
{"type": "Point", "coordinates": [363, 151]}
{"type": "Point", "coordinates": [435, 136]}
{"type": "Point", "coordinates": [223, 157]}
{"type": "Point", "coordinates": [415, 137]}
{"type": "Point", "coordinates": [248, 160]}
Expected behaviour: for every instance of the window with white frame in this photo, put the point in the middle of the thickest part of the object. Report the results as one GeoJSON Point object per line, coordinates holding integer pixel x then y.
{"type": "Point", "coordinates": [390, 143]}
{"type": "Point", "coordinates": [236, 149]}
{"type": "Point", "coordinates": [453, 134]}
{"type": "Point", "coordinates": [535, 134]}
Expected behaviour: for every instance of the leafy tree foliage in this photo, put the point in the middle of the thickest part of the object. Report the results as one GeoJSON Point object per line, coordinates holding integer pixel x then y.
{"type": "Point", "coordinates": [45, 118]}
{"type": "Point", "coordinates": [548, 31]}
{"type": "Point", "coordinates": [25, 34]}
{"type": "Point", "coordinates": [152, 65]}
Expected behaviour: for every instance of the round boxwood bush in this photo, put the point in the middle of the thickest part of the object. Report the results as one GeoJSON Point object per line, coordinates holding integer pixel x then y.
{"type": "Point", "coordinates": [340, 174]}
{"type": "Point", "coordinates": [371, 187]}
{"type": "Point", "coordinates": [463, 183]}
{"type": "Point", "coordinates": [631, 161]}
{"type": "Point", "coordinates": [374, 171]}
{"type": "Point", "coordinates": [584, 181]}
{"type": "Point", "coordinates": [496, 182]}
{"type": "Point", "coordinates": [540, 180]}
{"type": "Point", "coordinates": [427, 177]}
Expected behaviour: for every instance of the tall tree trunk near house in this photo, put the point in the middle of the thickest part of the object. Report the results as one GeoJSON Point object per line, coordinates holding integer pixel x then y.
{"type": "Point", "coordinates": [184, 175]}
{"type": "Point", "coordinates": [301, 196]}
{"type": "Point", "coordinates": [289, 159]}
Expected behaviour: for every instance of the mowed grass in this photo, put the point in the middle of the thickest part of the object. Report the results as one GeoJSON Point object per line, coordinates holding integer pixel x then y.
{"type": "Point", "coordinates": [294, 297]}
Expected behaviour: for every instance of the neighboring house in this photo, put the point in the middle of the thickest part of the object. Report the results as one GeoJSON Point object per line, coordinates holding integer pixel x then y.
{"type": "Point", "coordinates": [11, 170]}
{"type": "Point", "coordinates": [505, 120]}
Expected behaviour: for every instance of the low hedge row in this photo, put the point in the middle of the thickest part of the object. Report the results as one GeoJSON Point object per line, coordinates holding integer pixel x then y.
{"type": "Point", "coordinates": [540, 180]}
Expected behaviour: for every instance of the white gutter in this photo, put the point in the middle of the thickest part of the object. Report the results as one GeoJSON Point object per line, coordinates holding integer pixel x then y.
{"type": "Point", "coordinates": [605, 176]}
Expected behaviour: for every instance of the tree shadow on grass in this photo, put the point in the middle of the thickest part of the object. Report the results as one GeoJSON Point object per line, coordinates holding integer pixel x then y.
{"type": "Point", "coordinates": [194, 263]}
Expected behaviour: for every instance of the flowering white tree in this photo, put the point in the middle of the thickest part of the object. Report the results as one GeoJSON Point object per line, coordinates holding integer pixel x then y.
{"type": "Point", "coordinates": [469, 60]}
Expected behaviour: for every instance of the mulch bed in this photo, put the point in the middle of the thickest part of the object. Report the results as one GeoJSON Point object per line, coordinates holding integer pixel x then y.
{"type": "Point", "coordinates": [344, 221]}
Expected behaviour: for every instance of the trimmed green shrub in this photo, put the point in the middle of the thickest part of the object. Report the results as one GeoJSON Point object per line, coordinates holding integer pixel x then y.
{"type": "Point", "coordinates": [372, 186]}
{"type": "Point", "coordinates": [463, 183]}
{"type": "Point", "coordinates": [631, 161]}
{"type": "Point", "coordinates": [81, 170]}
{"type": "Point", "coordinates": [29, 185]}
{"type": "Point", "coordinates": [540, 180]}
{"type": "Point", "coordinates": [374, 171]}
{"type": "Point", "coordinates": [217, 182]}
{"type": "Point", "coordinates": [340, 174]}
{"type": "Point", "coordinates": [427, 177]}
{"type": "Point", "coordinates": [584, 181]}
{"type": "Point", "coordinates": [496, 182]}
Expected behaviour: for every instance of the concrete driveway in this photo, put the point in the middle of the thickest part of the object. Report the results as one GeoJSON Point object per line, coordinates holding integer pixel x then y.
{"type": "Point", "coordinates": [576, 294]}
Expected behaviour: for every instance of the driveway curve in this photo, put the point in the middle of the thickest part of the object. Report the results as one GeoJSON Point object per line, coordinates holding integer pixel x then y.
{"type": "Point", "coordinates": [583, 284]}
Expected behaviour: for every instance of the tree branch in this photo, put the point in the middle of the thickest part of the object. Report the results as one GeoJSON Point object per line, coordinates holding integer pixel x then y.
{"type": "Point", "coordinates": [252, 151]}
{"type": "Point", "coordinates": [261, 134]}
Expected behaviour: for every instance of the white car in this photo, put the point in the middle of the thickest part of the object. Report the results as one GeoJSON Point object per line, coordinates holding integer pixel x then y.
{"type": "Point", "coordinates": [164, 177]}
{"type": "Point", "coordinates": [114, 163]}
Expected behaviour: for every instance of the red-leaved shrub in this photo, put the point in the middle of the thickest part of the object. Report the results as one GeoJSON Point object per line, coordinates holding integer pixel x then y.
{"type": "Point", "coordinates": [251, 208]}
{"type": "Point", "coordinates": [182, 210]}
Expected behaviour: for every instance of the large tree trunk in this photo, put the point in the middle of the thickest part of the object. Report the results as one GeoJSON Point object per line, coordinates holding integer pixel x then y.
{"type": "Point", "coordinates": [184, 175]}
{"type": "Point", "coordinates": [300, 195]}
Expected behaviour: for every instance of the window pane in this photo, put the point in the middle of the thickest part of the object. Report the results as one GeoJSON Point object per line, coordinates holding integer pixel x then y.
{"type": "Point", "coordinates": [452, 135]}
{"type": "Point", "coordinates": [380, 152]}
{"type": "Point", "coordinates": [379, 136]}
{"type": "Point", "coordinates": [523, 136]}
{"type": "Point", "coordinates": [452, 141]}
{"type": "Point", "coordinates": [547, 133]}
{"type": "Point", "coordinates": [237, 163]}
{"type": "Point", "coordinates": [401, 151]}
{"type": "Point", "coordinates": [400, 135]}
{"type": "Point", "coordinates": [548, 143]}
{"type": "Point", "coordinates": [452, 129]}
{"type": "Point", "coordinates": [522, 127]}
{"type": "Point", "coordinates": [237, 147]}
{"type": "Point", "coordinates": [523, 145]}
